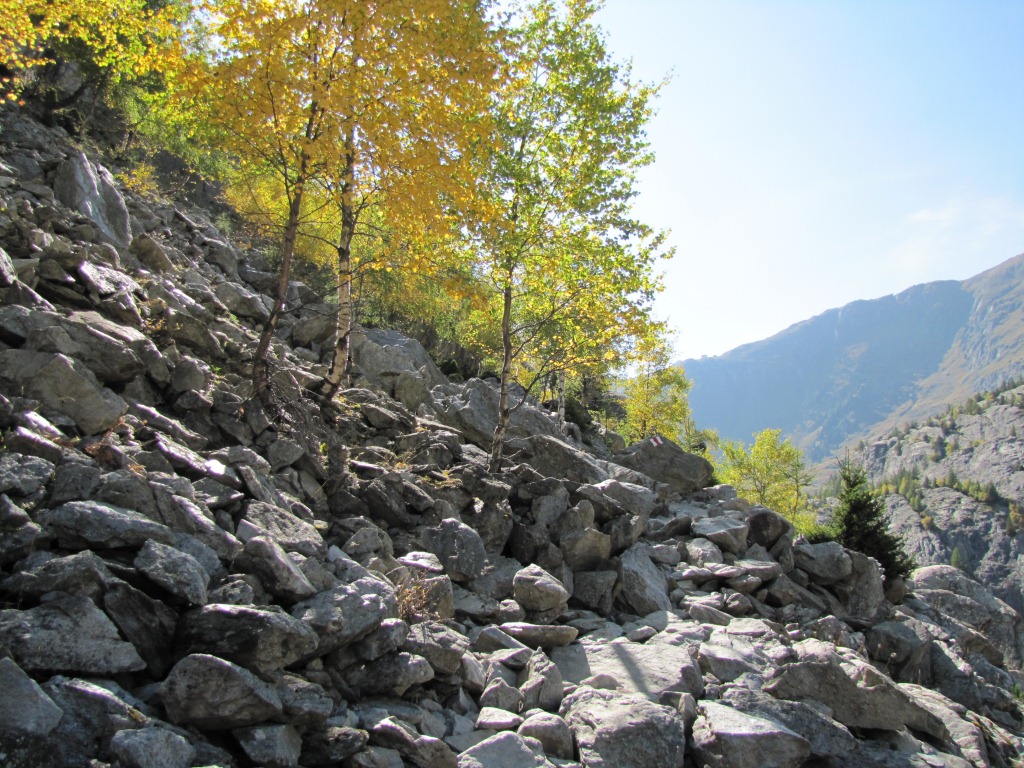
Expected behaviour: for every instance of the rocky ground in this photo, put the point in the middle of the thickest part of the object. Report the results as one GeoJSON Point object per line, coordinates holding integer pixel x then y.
{"type": "Point", "coordinates": [190, 580]}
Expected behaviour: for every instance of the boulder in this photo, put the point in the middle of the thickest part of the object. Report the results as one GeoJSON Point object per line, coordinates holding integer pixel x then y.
{"type": "Point", "coordinates": [726, 738]}
{"type": "Point", "coordinates": [69, 634]}
{"type": "Point", "coordinates": [858, 694]}
{"type": "Point", "coordinates": [214, 694]}
{"type": "Point", "coordinates": [537, 591]}
{"type": "Point", "coordinates": [90, 190]}
{"type": "Point", "coordinates": [666, 462]}
{"type": "Point", "coordinates": [260, 638]}
{"type": "Point", "coordinates": [616, 730]}
{"type": "Point", "coordinates": [649, 669]}
{"type": "Point", "coordinates": [63, 384]}
{"type": "Point", "coordinates": [151, 748]}
{"type": "Point", "coordinates": [504, 750]}
{"type": "Point", "coordinates": [554, 457]}
{"type": "Point", "coordinates": [643, 587]}
{"type": "Point", "coordinates": [459, 547]}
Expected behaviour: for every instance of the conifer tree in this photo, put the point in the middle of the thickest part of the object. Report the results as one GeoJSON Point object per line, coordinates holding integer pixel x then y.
{"type": "Point", "coordinates": [859, 523]}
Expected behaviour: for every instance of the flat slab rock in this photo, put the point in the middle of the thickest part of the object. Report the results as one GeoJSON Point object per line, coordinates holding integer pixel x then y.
{"type": "Point", "coordinates": [646, 669]}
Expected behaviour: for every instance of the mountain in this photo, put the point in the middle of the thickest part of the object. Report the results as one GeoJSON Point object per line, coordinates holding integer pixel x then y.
{"type": "Point", "coordinates": [841, 373]}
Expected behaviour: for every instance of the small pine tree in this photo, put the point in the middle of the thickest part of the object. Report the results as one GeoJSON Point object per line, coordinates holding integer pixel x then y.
{"type": "Point", "coordinates": [859, 523]}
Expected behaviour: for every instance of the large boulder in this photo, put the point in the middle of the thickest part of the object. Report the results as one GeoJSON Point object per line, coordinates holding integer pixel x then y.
{"type": "Point", "coordinates": [724, 737]}
{"type": "Point", "coordinates": [616, 730]}
{"type": "Point", "coordinates": [63, 384]}
{"type": "Point", "coordinates": [69, 634]}
{"type": "Point", "coordinates": [649, 669]}
{"type": "Point", "coordinates": [666, 462]}
{"type": "Point", "coordinates": [90, 190]}
{"type": "Point", "coordinates": [472, 408]}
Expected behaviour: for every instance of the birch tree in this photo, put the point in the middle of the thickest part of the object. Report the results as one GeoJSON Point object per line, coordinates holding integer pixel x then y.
{"type": "Point", "coordinates": [568, 267]}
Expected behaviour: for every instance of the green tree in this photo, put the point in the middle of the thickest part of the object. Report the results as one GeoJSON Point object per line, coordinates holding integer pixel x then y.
{"type": "Point", "coordinates": [771, 472]}
{"type": "Point", "coordinates": [569, 269]}
{"type": "Point", "coordinates": [859, 523]}
{"type": "Point", "coordinates": [656, 401]}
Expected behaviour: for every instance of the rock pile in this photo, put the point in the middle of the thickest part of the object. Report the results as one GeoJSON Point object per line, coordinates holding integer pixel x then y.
{"type": "Point", "coordinates": [189, 580]}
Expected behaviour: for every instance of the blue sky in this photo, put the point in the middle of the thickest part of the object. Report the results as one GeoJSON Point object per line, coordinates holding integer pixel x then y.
{"type": "Point", "coordinates": [814, 152]}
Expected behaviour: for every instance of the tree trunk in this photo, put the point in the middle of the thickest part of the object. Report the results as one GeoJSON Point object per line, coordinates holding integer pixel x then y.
{"type": "Point", "coordinates": [341, 361]}
{"type": "Point", "coordinates": [561, 403]}
{"type": "Point", "coordinates": [260, 362]}
{"type": "Point", "coordinates": [498, 443]}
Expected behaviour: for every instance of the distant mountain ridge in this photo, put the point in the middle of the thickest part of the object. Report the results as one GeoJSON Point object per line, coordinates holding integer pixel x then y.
{"type": "Point", "coordinates": [868, 364]}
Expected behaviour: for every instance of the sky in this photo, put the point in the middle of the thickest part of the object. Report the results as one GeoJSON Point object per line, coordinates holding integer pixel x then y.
{"type": "Point", "coordinates": [810, 153]}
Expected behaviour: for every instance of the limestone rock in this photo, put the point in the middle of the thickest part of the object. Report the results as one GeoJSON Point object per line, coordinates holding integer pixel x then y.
{"type": "Point", "coordinates": [260, 638]}
{"type": "Point", "coordinates": [726, 738]}
{"type": "Point", "coordinates": [643, 586]}
{"type": "Point", "coordinates": [615, 730]}
{"type": "Point", "coordinates": [666, 462]}
{"type": "Point", "coordinates": [214, 694]}
{"type": "Point", "coordinates": [90, 190]}
{"type": "Point", "coordinates": [63, 384]}
{"type": "Point", "coordinates": [69, 634]}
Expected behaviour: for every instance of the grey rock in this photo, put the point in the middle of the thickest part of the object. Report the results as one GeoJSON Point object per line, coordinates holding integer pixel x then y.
{"type": "Point", "coordinates": [441, 646]}
{"type": "Point", "coordinates": [214, 694]}
{"type": "Point", "coordinates": [459, 547]}
{"type": "Point", "coordinates": [90, 190]}
{"type": "Point", "coordinates": [93, 715]}
{"type": "Point", "coordinates": [260, 638]}
{"type": "Point", "coordinates": [726, 738]}
{"type": "Point", "coordinates": [493, 719]}
{"type": "Point", "coordinates": [643, 586]}
{"type": "Point", "coordinates": [332, 745]}
{"type": "Point", "coordinates": [25, 709]}
{"type": "Point", "coordinates": [615, 730]}
{"type": "Point", "coordinates": [89, 524]}
{"type": "Point", "coordinates": [274, 746]}
{"type": "Point", "coordinates": [146, 623]}
{"type": "Point", "coordinates": [391, 674]}
{"type": "Point", "coordinates": [281, 525]}
{"type": "Point", "coordinates": [540, 635]}
{"type": "Point", "coordinates": [503, 750]}
{"type": "Point", "coordinates": [825, 563]}
{"type": "Point", "coordinates": [69, 634]}
{"type": "Point", "coordinates": [19, 535]}
{"type": "Point", "coordinates": [541, 683]}
{"type": "Point", "coordinates": [23, 475]}
{"type": "Point", "coordinates": [594, 589]}
{"type": "Point", "coordinates": [423, 751]}
{"type": "Point", "coordinates": [538, 591]}
{"type": "Point", "coordinates": [151, 253]}
{"type": "Point", "coordinates": [551, 731]}
{"type": "Point", "coordinates": [278, 573]}
{"type": "Point", "coordinates": [859, 695]}
{"type": "Point", "coordinates": [728, 657]}
{"type": "Point", "coordinates": [648, 669]}
{"type": "Point", "coordinates": [499, 694]}
{"type": "Point", "coordinates": [827, 738]}
{"type": "Point", "coordinates": [151, 748]}
{"type": "Point", "coordinates": [667, 463]}
{"type": "Point", "coordinates": [80, 574]}
{"type": "Point", "coordinates": [729, 534]}
{"type": "Point", "coordinates": [585, 549]}
{"type": "Point", "coordinates": [556, 458]}
{"type": "Point", "coordinates": [63, 384]}
{"type": "Point", "coordinates": [175, 571]}
{"type": "Point", "coordinates": [341, 616]}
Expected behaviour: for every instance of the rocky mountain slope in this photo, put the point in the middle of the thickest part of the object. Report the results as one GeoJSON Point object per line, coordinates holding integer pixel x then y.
{"type": "Point", "coordinates": [956, 485]}
{"type": "Point", "coordinates": [190, 579]}
{"type": "Point", "coordinates": [845, 372]}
